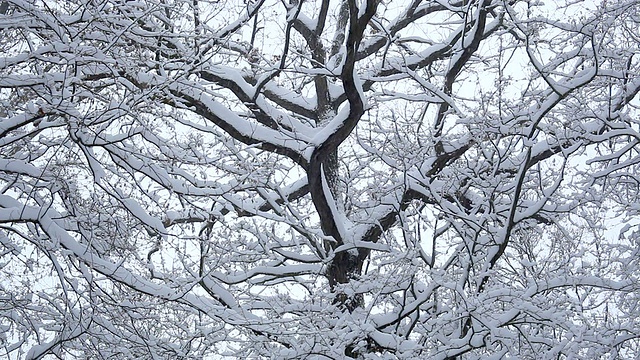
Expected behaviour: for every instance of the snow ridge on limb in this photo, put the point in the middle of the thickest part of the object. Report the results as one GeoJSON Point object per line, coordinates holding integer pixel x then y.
{"type": "Point", "coordinates": [241, 129]}
{"type": "Point", "coordinates": [341, 131]}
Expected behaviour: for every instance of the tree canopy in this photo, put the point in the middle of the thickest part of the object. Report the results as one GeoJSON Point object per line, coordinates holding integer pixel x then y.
{"type": "Point", "coordinates": [375, 179]}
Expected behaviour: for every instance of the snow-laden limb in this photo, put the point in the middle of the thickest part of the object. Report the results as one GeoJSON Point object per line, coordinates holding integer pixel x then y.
{"type": "Point", "coordinates": [237, 127]}
{"type": "Point", "coordinates": [229, 310]}
{"type": "Point", "coordinates": [13, 211]}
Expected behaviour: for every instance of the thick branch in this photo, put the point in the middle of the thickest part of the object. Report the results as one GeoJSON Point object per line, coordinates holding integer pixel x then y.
{"type": "Point", "coordinates": [203, 110]}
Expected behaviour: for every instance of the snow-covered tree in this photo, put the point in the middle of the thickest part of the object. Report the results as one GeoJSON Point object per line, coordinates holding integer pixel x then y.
{"type": "Point", "coordinates": [437, 179]}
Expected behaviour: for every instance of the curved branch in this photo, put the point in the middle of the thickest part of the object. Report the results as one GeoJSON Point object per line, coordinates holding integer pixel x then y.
{"type": "Point", "coordinates": [356, 110]}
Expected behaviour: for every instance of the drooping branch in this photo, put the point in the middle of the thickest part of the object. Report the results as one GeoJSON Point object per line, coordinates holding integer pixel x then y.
{"type": "Point", "coordinates": [238, 128]}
